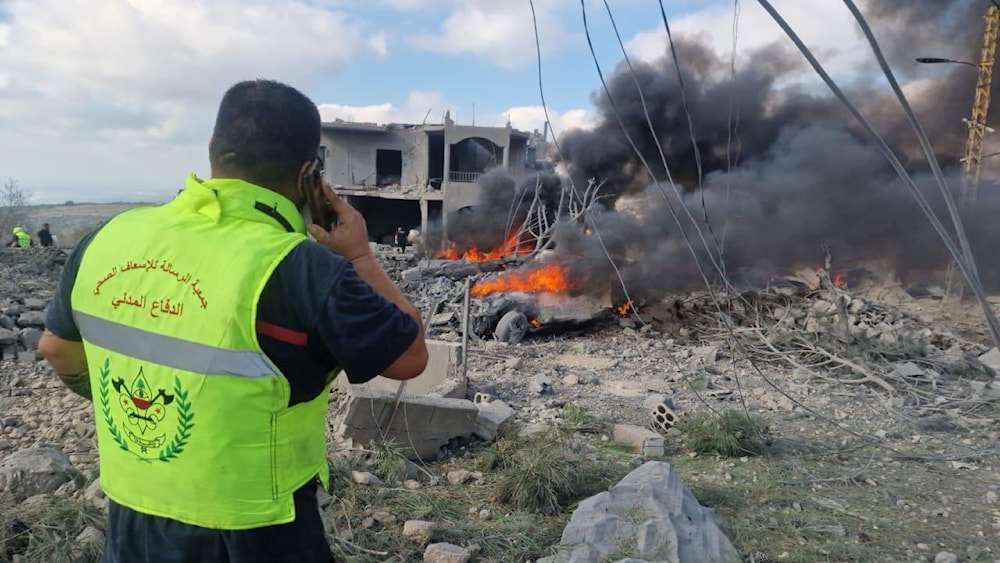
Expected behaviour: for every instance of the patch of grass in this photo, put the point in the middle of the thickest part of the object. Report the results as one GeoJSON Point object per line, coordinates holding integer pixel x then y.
{"type": "Point", "coordinates": [729, 434]}
{"type": "Point", "coordinates": [576, 419]}
{"type": "Point", "coordinates": [387, 461]}
{"type": "Point", "coordinates": [45, 530]}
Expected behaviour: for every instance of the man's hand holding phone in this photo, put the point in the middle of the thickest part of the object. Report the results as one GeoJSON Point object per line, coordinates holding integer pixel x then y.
{"type": "Point", "coordinates": [349, 235]}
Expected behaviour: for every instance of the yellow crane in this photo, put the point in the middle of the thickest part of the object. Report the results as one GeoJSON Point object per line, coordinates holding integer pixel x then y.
{"type": "Point", "coordinates": [977, 124]}
{"type": "Point", "coordinates": [980, 108]}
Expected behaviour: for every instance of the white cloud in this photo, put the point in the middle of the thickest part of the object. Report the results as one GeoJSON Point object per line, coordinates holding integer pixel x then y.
{"type": "Point", "coordinates": [112, 87]}
{"type": "Point", "coordinates": [418, 104]}
{"type": "Point", "coordinates": [409, 4]}
{"type": "Point", "coordinates": [377, 45]}
{"type": "Point", "coordinates": [529, 118]}
{"type": "Point", "coordinates": [826, 27]}
{"type": "Point", "coordinates": [501, 32]}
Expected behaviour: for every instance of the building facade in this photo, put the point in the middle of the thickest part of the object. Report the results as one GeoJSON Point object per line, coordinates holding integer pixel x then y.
{"type": "Point", "coordinates": [410, 176]}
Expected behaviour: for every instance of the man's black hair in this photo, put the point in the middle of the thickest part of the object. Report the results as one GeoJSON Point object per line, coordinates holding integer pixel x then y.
{"type": "Point", "coordinates": [264, 132]}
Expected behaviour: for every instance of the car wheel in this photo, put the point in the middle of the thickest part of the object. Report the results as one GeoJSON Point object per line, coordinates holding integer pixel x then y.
{"type": "Point", "coordinates": [512, 327]}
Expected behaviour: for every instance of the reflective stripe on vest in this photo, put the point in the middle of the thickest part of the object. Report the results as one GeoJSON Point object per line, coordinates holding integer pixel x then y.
{"type": "Point", "coordinates": [173, 352]}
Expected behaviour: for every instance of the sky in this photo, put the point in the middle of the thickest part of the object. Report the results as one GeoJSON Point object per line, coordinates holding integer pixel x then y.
{"type": "Point", "coordinates": [114, 100]}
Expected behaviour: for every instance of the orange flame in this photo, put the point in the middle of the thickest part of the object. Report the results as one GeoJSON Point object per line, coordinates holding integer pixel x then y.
{"type": "Point", "coordinates": [839, 279]}
{"type": "Point", "coordinates": [547, 279]}
{"type": "Point", "coordinates": [513, 246]}
{"type": "Point", "coordinates": [624, 309]}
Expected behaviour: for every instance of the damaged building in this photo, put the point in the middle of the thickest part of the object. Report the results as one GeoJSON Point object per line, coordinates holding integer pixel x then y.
{"type": "Point", "coordinates": [409, 176]}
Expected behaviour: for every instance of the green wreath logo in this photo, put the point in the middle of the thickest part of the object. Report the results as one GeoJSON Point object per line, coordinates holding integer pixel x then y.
{"type": "Point", "coordinates": [142, 430]}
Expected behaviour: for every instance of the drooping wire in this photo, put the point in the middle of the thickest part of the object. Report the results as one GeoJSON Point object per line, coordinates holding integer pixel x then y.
{"type": "Point", "coordinates": [727, 321]}
{"type": "Point", "coordinates": [659, 146]}
{"type": "Point", "coordinates": [973, 274]}
{"type": "Point", "coordinates": [732, 128]}
{"type": "Point", "coordinates": [555, 142]}
{"type": "Point", "coordinates": [911, 186]}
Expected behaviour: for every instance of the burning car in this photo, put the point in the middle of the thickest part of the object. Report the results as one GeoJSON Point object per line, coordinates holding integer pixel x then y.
{"type": "Point", "coordinates": [532, 299]}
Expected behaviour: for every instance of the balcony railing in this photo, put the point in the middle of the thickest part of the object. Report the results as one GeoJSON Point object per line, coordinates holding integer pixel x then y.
{"type": "Point", "coordinates": [470, 177]}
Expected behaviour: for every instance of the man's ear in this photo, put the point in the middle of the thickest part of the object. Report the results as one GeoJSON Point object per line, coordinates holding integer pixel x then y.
{"type": "Point", "coordinates": [300, 178]}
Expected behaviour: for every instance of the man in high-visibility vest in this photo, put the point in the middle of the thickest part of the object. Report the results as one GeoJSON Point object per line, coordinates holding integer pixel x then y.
{"type": "Point", "coordinates": [21, 239]}
{"type": "Point", "coordinates": [207, 332]}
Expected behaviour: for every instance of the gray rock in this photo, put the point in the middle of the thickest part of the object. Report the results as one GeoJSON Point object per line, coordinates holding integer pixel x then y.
{"type": "Point", "coordinates": [366, 478]}
{"type": "Point", "coordinates": [541, 384]}
{"type": "Point", "coordinates": [705, 354]}
{"type": "Point", "coordinates": [30, 338]}
{"type": "Point", "coordinates": [491, 416]}
{"type": "Point", "coordinates": [419, 531]}
{"type": "Point", "coordinates": [34, 304]}
{"type": "Point", "coordinates": [442, 319]}
{"type": "Point", "coordinates": [7, 337]}
{"type": "Point", "coordinates": [991, 360]}
{"type": "Point", "coordinates": [35, 471]}
{"type": "Point", "coordinates": [446, 553]}
{"type": "Point", "coordinates": [31, 318]}
{"type": "Point", "coordinates": [95, 494]}
{"type": "Point", "coordinates": [7, 322]}
{"type": "Point", "coordinates": [909, 369]}
{"type": "Point", "coordinates": [649, 513]}
{"type": "Point", "coordinates": [945, 557]}
{"type": "Point", "coordinates": [26, 357]}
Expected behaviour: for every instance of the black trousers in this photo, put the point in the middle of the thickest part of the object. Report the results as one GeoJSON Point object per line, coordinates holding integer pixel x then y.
{"type": "Point", "coordinates": [134, 537]}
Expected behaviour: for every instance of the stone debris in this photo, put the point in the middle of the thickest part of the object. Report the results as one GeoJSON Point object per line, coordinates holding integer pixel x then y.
{"type": "Point", "coordinates": [366, 478]}
{"type": "Point", "coordinates": [95, 494]}
{"type": "Point", "coordinates": [35, 471]}
{"type": "Point", "coordinates": [446, 553]}
{"type": "Point", "coordinates": [491, 416]}
{"type": "Point", "coordinates": [991, 360]}
{"type": "Point", "coordinates": [642, 440]}
{"type": "Point", "coordinates": [421, 426]}
{"type": "Point", "coordinates": [649, 513]}
{"type": "Point", "coordinates": [419, 531]}
{"type": "Point", "coordinates": [541, 384]}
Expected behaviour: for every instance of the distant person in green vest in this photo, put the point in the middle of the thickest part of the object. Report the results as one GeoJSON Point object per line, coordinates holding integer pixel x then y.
{"type": "Point", "coordinates": [44, 236]}
{"type": "Point", "coordinates": [21, 239]}
{"type": "Point", "coordinates": [211, 329]}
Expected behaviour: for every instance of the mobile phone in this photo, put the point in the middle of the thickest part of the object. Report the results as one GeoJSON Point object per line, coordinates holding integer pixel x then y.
{"type": "Point", "coordinates": [319, 210]}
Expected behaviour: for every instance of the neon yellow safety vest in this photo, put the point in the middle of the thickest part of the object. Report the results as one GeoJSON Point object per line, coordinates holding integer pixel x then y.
{"type": "Point", "coordinates": [23, 238]}
{"type": "Point", "coordinates": [192, 418]}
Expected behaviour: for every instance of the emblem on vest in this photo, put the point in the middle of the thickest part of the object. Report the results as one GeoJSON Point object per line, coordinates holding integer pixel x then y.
{"type": "Point", "coordinates": [147, 415]}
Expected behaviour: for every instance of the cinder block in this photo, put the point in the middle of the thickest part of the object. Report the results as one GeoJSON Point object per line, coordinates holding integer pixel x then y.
{"type": "Point", "coordinates": [420, 426]}
{"type": "Point", "coordinates": [491, 416]}
{"type": "Point", "coordinates": [441, 378]}
{"type": "Point", "coordinates": [642, 440]}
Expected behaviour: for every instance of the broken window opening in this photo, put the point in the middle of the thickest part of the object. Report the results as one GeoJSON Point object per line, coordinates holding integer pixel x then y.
{"type": "Point", "coordinates": [388, 167]}
{"type": "Point", "coordinates": [473, 157]}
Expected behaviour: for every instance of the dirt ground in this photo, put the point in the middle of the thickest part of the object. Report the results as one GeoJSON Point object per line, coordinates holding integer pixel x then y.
{"type": "Point", "coordinates": [851, 471]}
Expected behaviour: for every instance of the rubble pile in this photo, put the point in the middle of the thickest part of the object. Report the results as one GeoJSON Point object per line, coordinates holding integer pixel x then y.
{"type": "Point", "coordinates": [25, 289]}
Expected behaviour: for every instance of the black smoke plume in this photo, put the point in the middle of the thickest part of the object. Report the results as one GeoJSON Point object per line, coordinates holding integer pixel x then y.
{"type": "Point", "coordinates": [786, 174]}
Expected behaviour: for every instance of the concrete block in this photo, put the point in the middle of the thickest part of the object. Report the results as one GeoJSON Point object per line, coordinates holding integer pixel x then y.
{"type": "Point", "coordinates": [26, 357]}
{"type": "Point", "coordinates": [420, 427]}
{"type": "Point", "coordinates": [991, 360]}
{"type": "Point", "coordinates": [441, 378]}
{"type": "Point", "coordinates": [642, 440]}
{"type": "Point", "coordinates": [491, 416]}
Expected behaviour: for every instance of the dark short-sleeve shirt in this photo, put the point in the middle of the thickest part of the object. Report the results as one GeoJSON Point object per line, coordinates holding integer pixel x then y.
{"type": "Point", "coordinates": [314, 315]}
